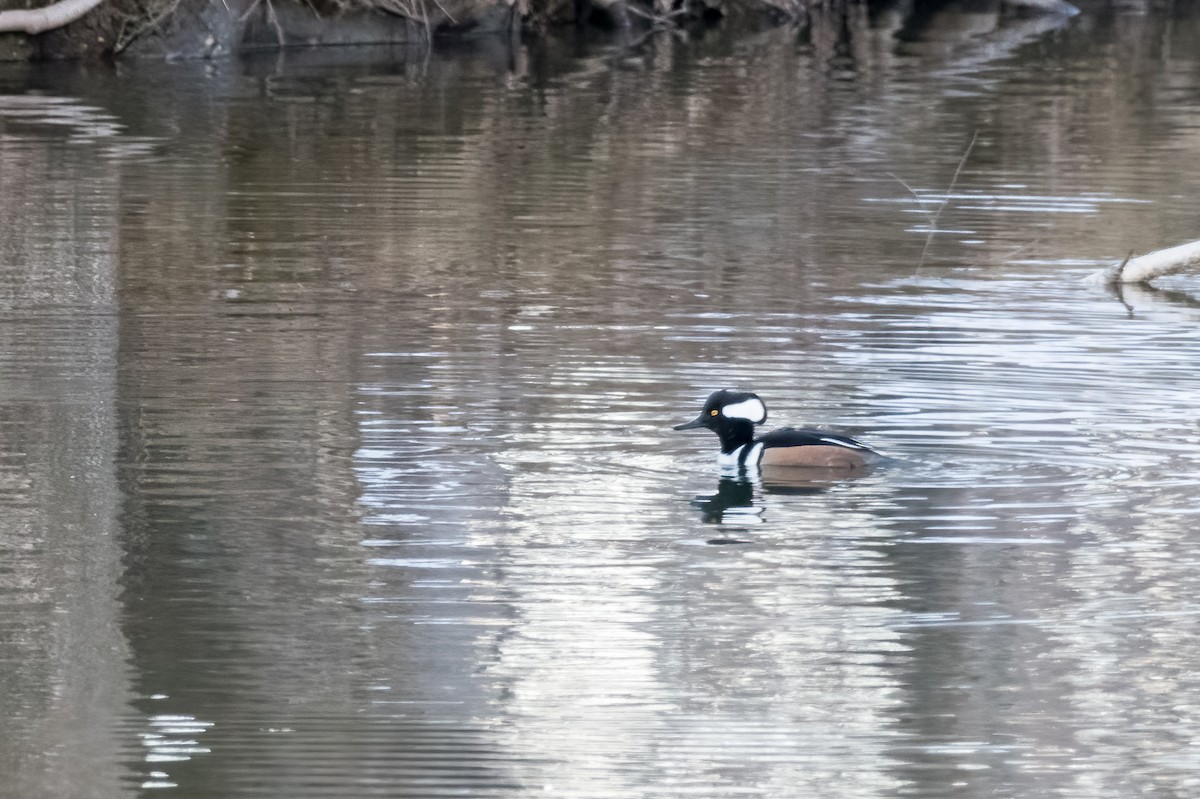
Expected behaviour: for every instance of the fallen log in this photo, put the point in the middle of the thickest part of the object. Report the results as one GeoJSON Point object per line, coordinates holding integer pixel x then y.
{"type": "Point", "coordinates": [1061, 7]}
{"type": "Point", "coordinates": [37, 20]}
{"type": "Point", "coordinates": [1146, 267]}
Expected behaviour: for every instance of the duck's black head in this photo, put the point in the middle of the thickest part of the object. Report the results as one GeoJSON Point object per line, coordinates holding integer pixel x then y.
{"type": "Point", "coordinates": [731, 415]}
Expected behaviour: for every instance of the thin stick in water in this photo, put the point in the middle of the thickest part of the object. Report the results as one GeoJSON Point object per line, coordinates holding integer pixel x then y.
{"type": "Point", "coordinates": [933, 222]}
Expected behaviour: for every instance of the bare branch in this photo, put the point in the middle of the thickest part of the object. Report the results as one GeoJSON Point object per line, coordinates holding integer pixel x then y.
{"type": "Point", "coordinates": [133, 28]}
{"type": "Point", "coordinates": [1121, 268]}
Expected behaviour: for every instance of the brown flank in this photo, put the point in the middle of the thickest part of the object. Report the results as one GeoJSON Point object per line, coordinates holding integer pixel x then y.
{"type": "Point", "coordinates": [815, 455]}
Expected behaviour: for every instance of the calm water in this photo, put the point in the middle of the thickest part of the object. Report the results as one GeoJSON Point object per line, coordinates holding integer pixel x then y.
{"type": "Point", "coordinates": [336, 392]}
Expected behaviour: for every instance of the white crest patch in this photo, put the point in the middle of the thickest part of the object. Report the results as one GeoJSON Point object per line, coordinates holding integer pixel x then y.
{"type": "Point", "coordinates": [752, 410]}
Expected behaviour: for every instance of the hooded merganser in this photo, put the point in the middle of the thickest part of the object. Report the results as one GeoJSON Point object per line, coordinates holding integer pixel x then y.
{"type": "Point", "coordinates": [732, 415]}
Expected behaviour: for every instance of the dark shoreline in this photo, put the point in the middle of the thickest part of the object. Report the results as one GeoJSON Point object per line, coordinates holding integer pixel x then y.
{"type": "Point", "coordinates": [195, 29]}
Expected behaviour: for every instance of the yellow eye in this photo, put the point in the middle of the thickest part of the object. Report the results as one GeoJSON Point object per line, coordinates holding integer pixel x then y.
{"type": "Point", "coordinates": [714, 412]}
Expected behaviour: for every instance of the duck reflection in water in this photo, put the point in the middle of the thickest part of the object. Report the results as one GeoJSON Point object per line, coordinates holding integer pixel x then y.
{"type": "Point", "coordinates": [732, 504]}
{"type": "Point", "coordinates": [737, 500]}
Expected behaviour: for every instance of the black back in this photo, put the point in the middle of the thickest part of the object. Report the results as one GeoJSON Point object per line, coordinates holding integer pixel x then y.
{"type": "Point", "coordinates": [809, 437]}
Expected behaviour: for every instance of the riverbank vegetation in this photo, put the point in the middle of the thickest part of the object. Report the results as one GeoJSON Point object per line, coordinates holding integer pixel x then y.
{"type": "Point", "coordinates": [31, 29]}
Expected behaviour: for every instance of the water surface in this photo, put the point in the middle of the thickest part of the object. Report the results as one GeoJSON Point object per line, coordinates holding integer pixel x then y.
{"type": "Point", "coordinates": [336, 392]}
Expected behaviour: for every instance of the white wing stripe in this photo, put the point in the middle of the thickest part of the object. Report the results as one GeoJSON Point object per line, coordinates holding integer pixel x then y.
{"type": "Point", "coordinates": [837, 442]}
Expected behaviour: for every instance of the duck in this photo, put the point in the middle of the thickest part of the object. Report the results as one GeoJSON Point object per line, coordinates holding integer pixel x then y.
{"type": "Point", "coordinates": [733, 415]}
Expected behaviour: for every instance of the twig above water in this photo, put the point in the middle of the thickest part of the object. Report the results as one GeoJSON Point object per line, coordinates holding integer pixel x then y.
{"type": "Point", "coordinates": [1121, 268]}
{"type": "Point", "coordinates": [933, 220]}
